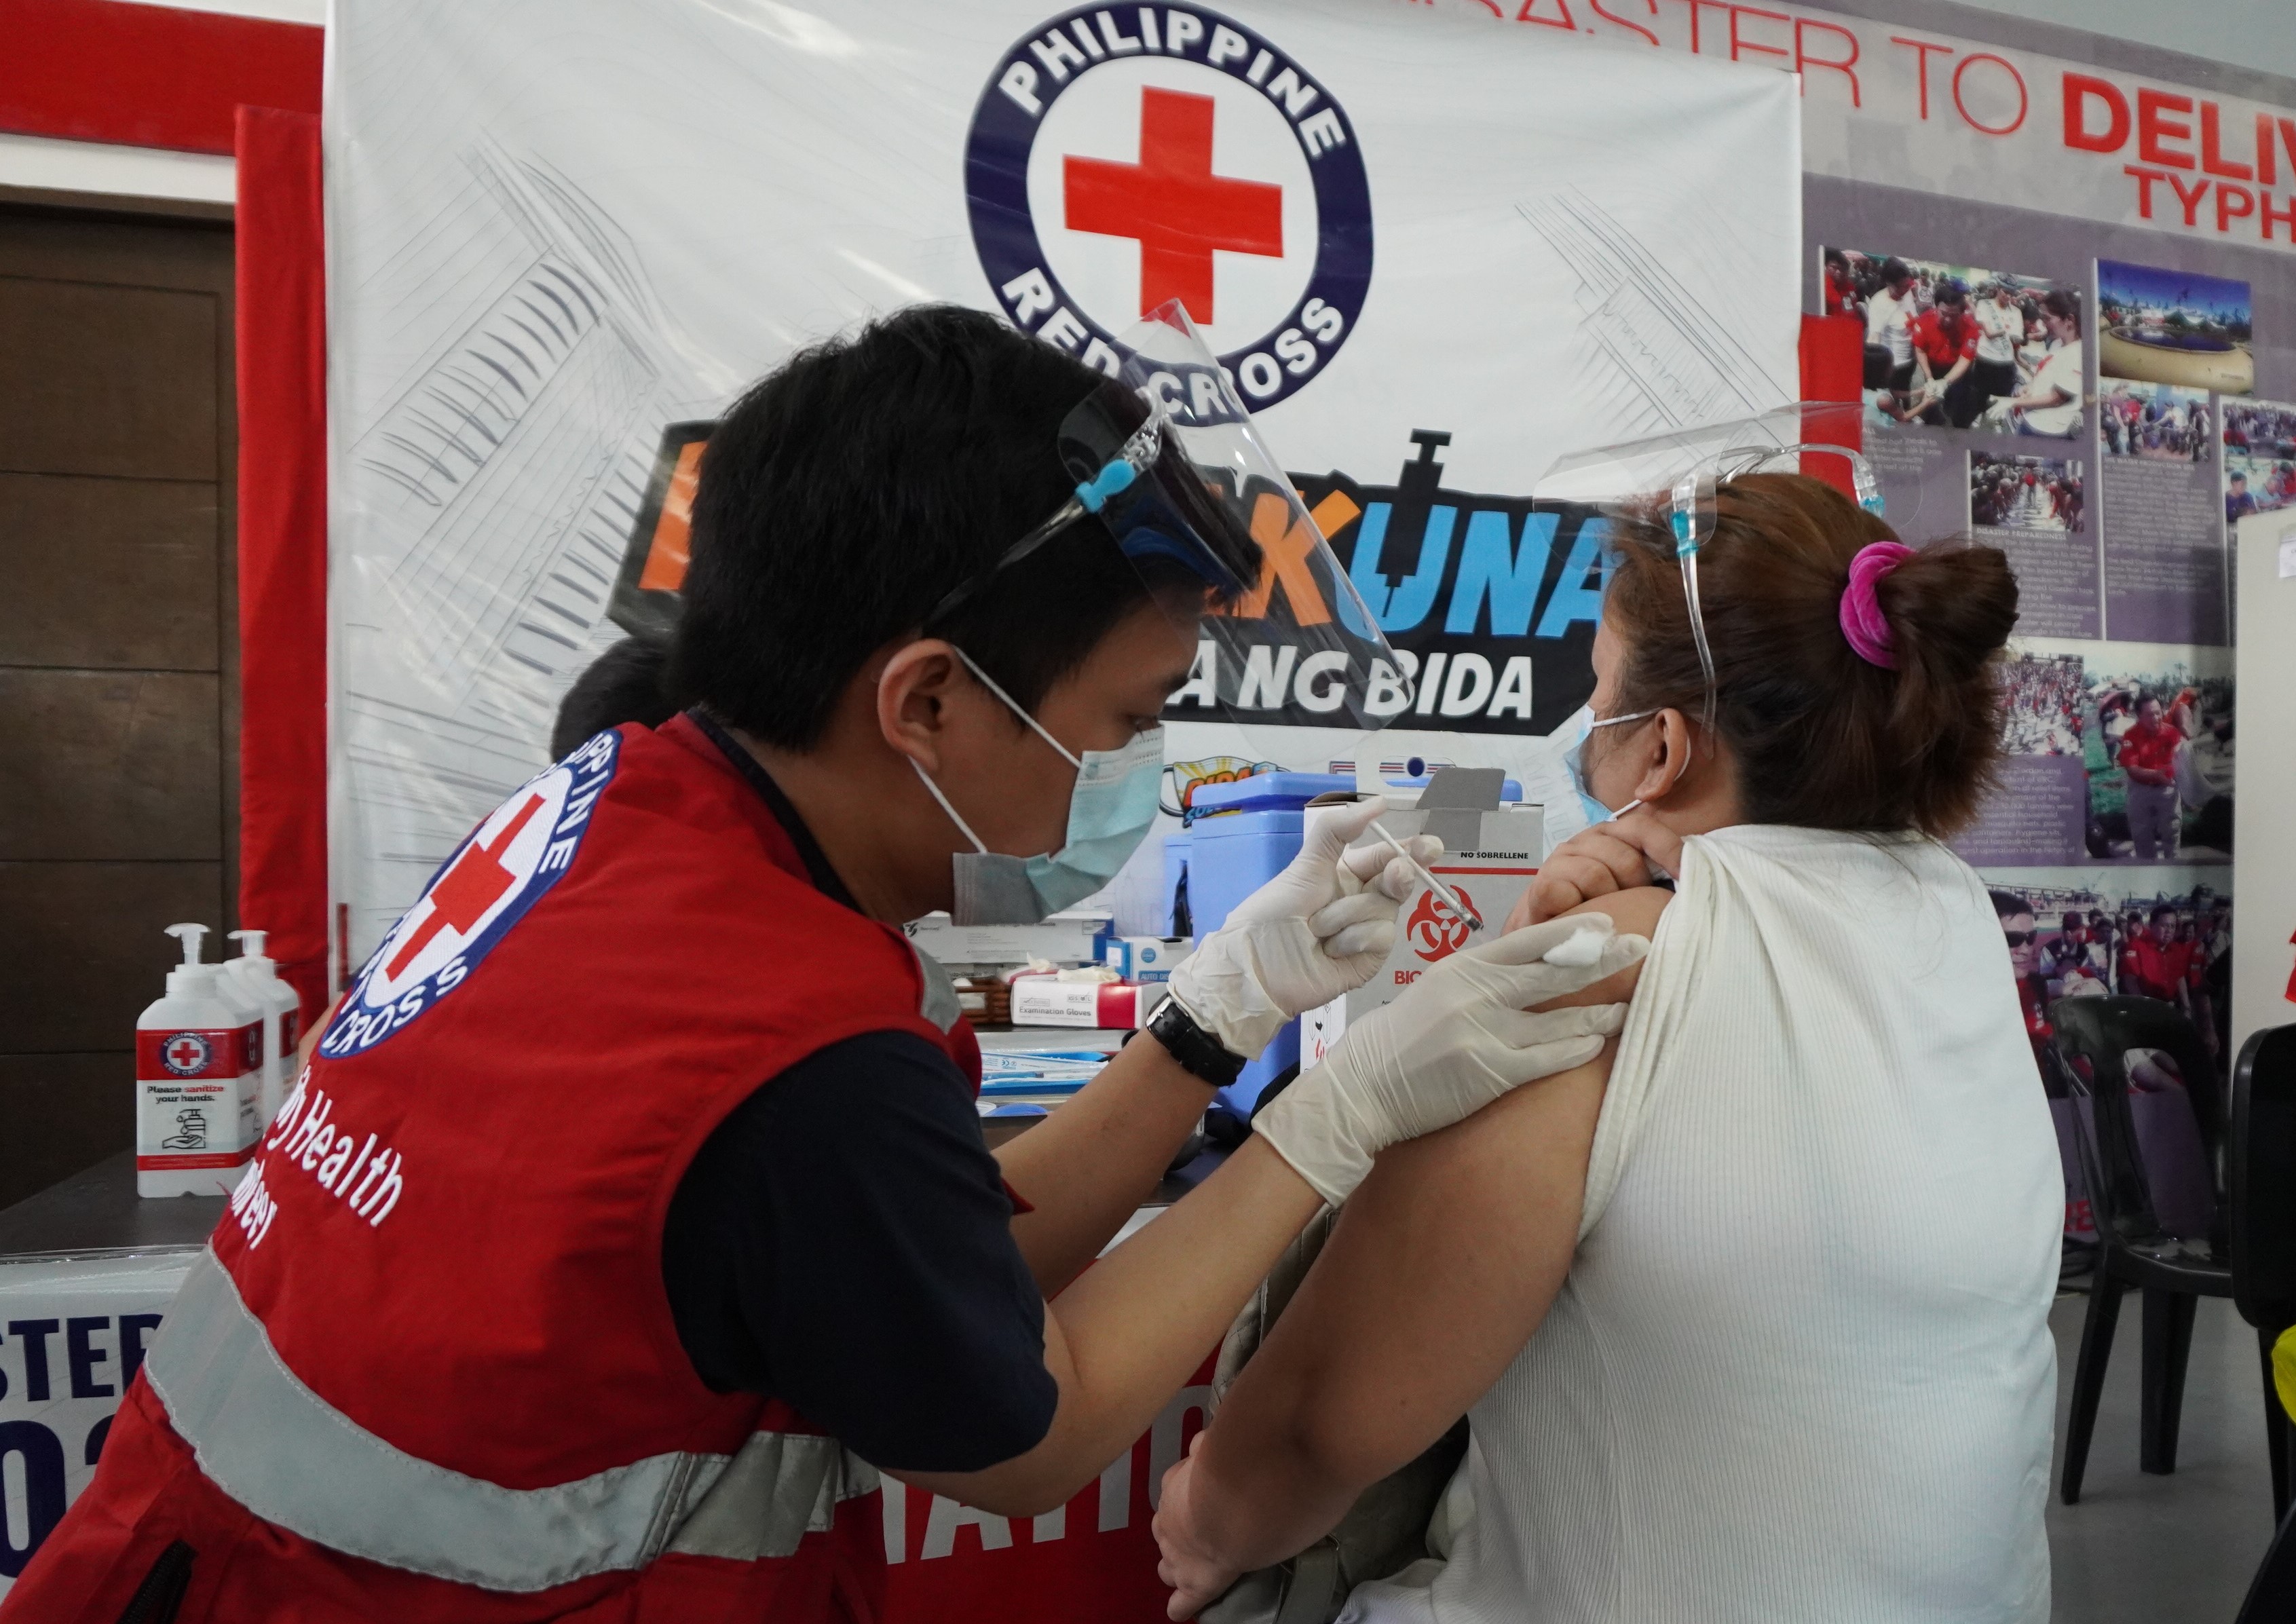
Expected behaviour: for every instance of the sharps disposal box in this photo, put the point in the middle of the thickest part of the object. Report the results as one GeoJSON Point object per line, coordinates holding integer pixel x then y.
{"type": "Point", "coordinates": [1490, 854]}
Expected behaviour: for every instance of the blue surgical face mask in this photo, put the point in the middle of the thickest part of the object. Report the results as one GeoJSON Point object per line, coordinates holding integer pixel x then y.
{"type": "Point", "coordinates": [1111, 809]}
{"type": "Point", "coordinates": [1574, 762]}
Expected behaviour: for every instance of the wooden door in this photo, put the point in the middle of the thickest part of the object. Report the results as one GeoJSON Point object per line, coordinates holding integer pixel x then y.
{"type": "Point", "coordinates": [119, 655]}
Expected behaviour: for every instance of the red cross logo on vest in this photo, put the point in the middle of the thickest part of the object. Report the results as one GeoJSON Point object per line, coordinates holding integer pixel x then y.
{"type": "Point", "coordinates": [518, 853]}
{"type": "Point", "coordinates": [1172, 202]}
{"type": "Point", "coordinates": [466, 891]}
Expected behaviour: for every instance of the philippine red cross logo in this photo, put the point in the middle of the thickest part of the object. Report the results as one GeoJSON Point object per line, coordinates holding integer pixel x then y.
{"type": "Point", "coordinates": [186, 1054]}
{"type": "Point", "coordinates": [1436, 929]}
{"type": "Point", "coordinates": [504, 866]}
{"type": "Point", "coordinates": [1119, 159]}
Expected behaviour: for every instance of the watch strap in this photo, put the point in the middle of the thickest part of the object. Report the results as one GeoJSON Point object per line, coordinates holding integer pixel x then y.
{"type": "Point", "coordinates": [1200, 1053]}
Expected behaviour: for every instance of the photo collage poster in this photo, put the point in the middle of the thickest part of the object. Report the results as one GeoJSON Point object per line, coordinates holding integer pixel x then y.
{"type": "Point", "coordinates": [2099, 401]}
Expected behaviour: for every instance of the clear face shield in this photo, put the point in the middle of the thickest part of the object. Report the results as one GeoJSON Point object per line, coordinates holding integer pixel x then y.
{"type": "Point", "coordinates": [1667, 486]}
{"type": "Point", "coordinates": [1673, 478]}
{"type": "Point", "coordinates": [1168, 465]}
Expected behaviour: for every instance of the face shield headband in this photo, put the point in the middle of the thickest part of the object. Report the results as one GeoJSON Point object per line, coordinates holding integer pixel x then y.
{"type": "Point", "coordinates": [1133, 476]}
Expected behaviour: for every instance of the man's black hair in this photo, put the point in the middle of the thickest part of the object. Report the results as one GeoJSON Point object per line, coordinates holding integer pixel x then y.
{"type": "Point", "coordinates": [852, 488]}
{"type": "Point", "coordinates": [1895, 270]}
{"type": "Point", "coordinates": [2008, 904]}
{"type": "Point", "coordinates": [622, 685]}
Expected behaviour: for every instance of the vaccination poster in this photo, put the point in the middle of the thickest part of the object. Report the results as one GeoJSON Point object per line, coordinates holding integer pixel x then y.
{"type": "Point", "coordinates": [1433, 257]}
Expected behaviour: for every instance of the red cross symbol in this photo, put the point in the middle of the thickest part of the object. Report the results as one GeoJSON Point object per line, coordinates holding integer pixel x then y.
{"type": "Point", "coordinates": [1174, 204]}
{"type": "Point", "coordinates": [466, 891]}
{"type": "Point", "coordinates": [186, 1054]}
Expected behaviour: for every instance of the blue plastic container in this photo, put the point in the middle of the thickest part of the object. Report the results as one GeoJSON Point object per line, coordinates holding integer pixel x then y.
{"type": "Point", "coordinates": [1175, 876]}
{"type": "Point", "coordinates": [1254, 831]}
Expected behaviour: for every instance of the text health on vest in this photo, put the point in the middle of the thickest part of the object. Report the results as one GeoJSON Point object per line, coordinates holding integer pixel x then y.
{"type": "Point", "coordinates": [365, 1174]}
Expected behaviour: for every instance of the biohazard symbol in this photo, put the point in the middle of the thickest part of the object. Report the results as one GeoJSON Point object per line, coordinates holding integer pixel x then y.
{"type": "Point", "coordinates": [1436, 929]}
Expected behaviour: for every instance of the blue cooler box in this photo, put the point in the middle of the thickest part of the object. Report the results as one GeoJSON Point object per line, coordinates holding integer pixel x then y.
{"type": "Point", "coordinates": [1248, 830]}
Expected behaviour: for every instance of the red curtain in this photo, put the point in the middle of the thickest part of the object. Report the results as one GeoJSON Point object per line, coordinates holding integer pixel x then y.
{"type": "Point", "coordinates": [1832, 358]}
{"type": "Point", "coordinates": [1833, 368]}
{"type": "Point", "coordinates": [283, 544]}
{"type": "Point", "coordinates": [147, 75]}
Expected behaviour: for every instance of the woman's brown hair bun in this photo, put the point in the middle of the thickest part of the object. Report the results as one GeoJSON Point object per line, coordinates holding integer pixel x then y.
{"type": "Point", "coordinates": [1823, 738]}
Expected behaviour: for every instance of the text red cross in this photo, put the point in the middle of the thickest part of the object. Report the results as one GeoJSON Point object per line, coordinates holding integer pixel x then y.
{"type": "Point", "coordinates": [466, 891]}
{"type": "Point", "coordinates": [1174, 204]}
{"type": "Point", "coordinates": [186, 1054]}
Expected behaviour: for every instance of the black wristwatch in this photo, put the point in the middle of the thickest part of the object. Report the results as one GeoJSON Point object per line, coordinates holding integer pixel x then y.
{"type": "Point", "coordinates": [1201, 1054]}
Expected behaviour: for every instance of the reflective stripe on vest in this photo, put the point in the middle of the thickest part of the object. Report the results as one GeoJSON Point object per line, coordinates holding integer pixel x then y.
{"type": "Point", "coordinates": [291, 1458]}
{"type": "Point", "coordinates": [939, 1003]}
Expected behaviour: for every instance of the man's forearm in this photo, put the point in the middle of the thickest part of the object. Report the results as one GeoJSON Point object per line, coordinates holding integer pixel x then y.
{"type": "Point", "coordinates": [1087, 1166]}
{"type": "Point", "coordinates": [1127, 1335]}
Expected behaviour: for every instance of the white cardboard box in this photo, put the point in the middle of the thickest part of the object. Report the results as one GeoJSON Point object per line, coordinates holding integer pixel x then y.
{"type": "Point", "coordinates": [1064, 938]}
{"type": "Point", "coordinates": [1146, 958]}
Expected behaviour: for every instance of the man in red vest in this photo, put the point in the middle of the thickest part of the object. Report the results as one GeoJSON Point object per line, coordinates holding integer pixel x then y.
{"type": "Point", "coordinates": [634, 1215]}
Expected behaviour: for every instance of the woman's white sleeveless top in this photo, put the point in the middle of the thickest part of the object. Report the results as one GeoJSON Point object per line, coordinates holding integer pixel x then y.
{"type": "Point", "coordinates": [1800, 1371]}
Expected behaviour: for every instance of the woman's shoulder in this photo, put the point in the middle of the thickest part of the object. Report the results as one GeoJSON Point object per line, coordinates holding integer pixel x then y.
{"type": "Point", "coordinates": [1633, 912]}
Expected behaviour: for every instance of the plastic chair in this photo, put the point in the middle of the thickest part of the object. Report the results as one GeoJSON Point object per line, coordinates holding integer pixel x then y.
{"type": "Point", "coordinates": [2260, 1185]}
{"type": "Point", "coordinates": [2094, 1036]}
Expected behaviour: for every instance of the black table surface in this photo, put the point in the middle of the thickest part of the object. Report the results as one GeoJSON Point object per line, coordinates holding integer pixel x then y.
{"type": "Point", "coordinates": [98, 1211]}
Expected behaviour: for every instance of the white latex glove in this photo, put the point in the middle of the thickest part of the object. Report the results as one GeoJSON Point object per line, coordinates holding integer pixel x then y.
{"type": "Point", "coordinates": [1321, 927]}
{"type": "Point", "coordinates": [1456, 1039]}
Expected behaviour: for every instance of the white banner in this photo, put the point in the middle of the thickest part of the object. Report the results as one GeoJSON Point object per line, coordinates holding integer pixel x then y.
{"type": "Point", "coordinates": [556, 229]}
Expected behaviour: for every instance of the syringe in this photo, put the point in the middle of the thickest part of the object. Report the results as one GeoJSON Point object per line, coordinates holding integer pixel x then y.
{"type": "Point", "coordinates": [1460, 904]}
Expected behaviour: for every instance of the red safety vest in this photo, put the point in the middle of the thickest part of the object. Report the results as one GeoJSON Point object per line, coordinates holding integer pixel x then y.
{"type": "Point", "coordinates": [426, 1368]}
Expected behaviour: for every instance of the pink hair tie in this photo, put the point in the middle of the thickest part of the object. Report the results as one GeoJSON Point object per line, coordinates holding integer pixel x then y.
{"type": "Point", "coordinates": [1862, 621]}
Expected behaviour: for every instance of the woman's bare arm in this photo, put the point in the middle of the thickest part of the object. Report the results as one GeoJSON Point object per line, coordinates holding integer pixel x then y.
{"type": "Point", "coordinates": [1440, 1268]}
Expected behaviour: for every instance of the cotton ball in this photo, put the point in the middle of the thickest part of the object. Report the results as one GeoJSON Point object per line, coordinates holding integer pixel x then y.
{"type": "Point", "coordinates": [1585, 948]}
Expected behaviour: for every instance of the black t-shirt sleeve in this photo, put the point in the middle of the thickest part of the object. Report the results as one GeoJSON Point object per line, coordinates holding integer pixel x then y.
{"type": "Point", "coordinates": [841, 1242]}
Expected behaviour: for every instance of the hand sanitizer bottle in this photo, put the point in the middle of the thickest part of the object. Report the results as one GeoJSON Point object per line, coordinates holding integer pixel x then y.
{"type": "Point", "coordinates": [199, 1059]}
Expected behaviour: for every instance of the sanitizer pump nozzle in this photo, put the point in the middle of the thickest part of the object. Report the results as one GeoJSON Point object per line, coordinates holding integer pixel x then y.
{"type": "Point", "coordinates": [191, 974]}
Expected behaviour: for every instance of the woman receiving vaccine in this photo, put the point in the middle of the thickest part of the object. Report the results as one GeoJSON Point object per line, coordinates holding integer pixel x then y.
{"type": "Point", "coordinates": [1750, 1314]}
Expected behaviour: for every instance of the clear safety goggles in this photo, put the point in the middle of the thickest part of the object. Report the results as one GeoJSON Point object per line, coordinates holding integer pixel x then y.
{"type": "Point", "coordinates": [1168, 465]}
{"type": "Point", "coordinates": [1679, 475]}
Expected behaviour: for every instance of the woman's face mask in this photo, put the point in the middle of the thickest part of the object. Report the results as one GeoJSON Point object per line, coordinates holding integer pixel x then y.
{"type": "Point", "coordinates": [1574, 762]}
{"type": "Point", "coordinates": [1111, 809]}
